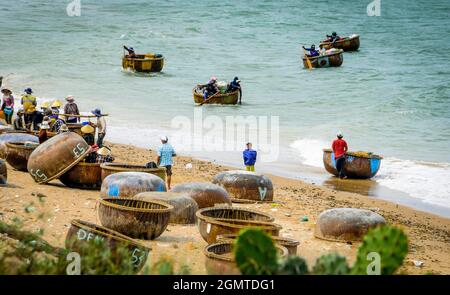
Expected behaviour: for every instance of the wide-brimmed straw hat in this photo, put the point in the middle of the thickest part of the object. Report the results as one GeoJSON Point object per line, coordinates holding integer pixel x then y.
{"type": "Point", "coordinates": [44, 125]}
{"type": "Point", "coordinates": [56, 104]}
{"type": "Point", "coordinates": [97, 112]}
{"type": "Point", "coordinates": [70, 98]}
{"type": "Point", "coordinates": [87, 129]}
{"type": "Point", "coordinates": [104, 151]}
{"type": "Point", "coordinates": [6, 90]}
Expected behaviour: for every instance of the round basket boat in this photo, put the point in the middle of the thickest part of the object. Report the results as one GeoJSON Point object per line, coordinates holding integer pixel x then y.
{"type": "Point", "coordinates": [83, 175]}
{"type": "Point", "coordinates": [244, 186]}
{"type": "Point", "coordinates": [358, 165]}
{"type": "Point", "coordinates": [218, 221]}
{"type": "Point", "coordinates": [129, 184]}
{"type": "Point", "coordinates": [350, 43]}
{"type": "Point", "coordinates": [111, 168]}
{"type": "Point", "coordinates": [75, 127]}
{"type": "Point", "coordinates": [346, 224]}
{"type": "Point", "coordinates": [56, 156]}
{"type": "Point", "coordinates": [145, 63]}
{"type": "Point", "coordinates": [3, 172]}
{"type": "Point", "coordinates": [135, 218]}
{"type": "Point", "coordinates": [14, 137]}
{"type": "Point", "coordinates": [204, 193]}
{"type": "Point", "coordinates": [290, 244]}
{"type": "Point", "coordinates": [223, 98]}
{"type": "Point", "coordinates": [220, 258]}
{"type": "Point", "coordinates": [334, 59]}
{"type": "Point", "coordinates": [184, 207]}
{"type": "Point", "coordinates": [82, 234]}
{"type": "Point", "coordinates": [18, 153]}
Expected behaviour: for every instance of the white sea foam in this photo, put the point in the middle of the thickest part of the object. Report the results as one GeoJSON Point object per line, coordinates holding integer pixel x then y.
{"type": "Point", "coordinates": [429, 182]}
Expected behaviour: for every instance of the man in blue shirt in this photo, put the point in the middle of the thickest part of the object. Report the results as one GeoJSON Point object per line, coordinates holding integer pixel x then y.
{"type": "Point", "coordinates": [249, 157]}
{"type": "Point", "coordinates": [165, 154]}
{"type": "Point", "coordinates": [312, 51]}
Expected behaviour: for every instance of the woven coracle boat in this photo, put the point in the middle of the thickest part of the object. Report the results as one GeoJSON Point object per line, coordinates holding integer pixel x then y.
{"type": "Point", "coordinates": [111, 168]}
{"type": "Point", "coordinates": [82, 233]}
{"type": "Point", "coordinates": [129, 184]}
{"type": "Point", "coordinates": [220, 258]}
{"type": "Point", "coordinates": [14, 137]}
{"type": "Point", "coordinates": [334, 59]}
{"type": "Point", "coordinates": [204, 193]}
{"type": "Point", "coordinates": [221, 98]}
{"type": "Point", "coordinates": [145, 63]}
{"type": "Point", "coordinates": [135, 218]}
{"type": "Point", "coordinates": [17, 154]}
{"type": "Point", "coordinates": [350, 43]}
{"type": "Point", "coordinates": [83, 175]}
{"type": "Point", "coordinates": [358, 165]}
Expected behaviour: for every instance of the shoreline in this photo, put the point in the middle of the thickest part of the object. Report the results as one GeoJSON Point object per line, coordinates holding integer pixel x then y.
{"type": "Point", "coordinates": [429, 234]}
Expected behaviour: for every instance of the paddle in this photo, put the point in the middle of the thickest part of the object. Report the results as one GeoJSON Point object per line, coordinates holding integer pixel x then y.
{"type": "Point", "coordinates": [308, 62]}
{"type": "Point", "coordinates": [209, 98]}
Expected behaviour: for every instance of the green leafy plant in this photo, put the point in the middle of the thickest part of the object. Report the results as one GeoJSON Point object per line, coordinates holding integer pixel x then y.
{"type": "Point", "coordinates": [390, 243]}
{"type": "Point", "coordinates": [331, 264]}
{"type": "Point", "coordinates": [255, 253]}
{"type": "Point", "coordinates": [293, 265]}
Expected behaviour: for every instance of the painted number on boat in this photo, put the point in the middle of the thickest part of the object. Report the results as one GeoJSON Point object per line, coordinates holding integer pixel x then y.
{"type": "Point", "coordinates": [38, 175]}
{"type": "Point", "coordinates": [87, 236]}
{"type": "Point", "coordinates": [138, 256]}
{"type": "Point", "coordinates": [78, 150]}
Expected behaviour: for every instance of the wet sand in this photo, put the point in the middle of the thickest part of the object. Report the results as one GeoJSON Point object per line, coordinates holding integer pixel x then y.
{"type": "Point", "coordinates": [429, 235]}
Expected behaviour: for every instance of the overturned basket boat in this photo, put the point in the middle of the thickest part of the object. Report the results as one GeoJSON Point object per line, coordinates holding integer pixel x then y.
{"type": "Point", "coordinates": [204, 193]}
{"type": "Point", "coordinates": [135, 218]}
{"type": "Point", "coordinates": [129, 184]}
{"type": "Point", "coordinates": [220, 258]}
{"type": "Point", "coordinates": [17, 154]}
{"type": "Point", "coordinates": [218, 221]}
{"type": "Point", "coordinates": [111, 168]}
{"type": "Point", "coordinates": [82, 234]}
{"type": "Point", "coordinates": [289, 244]}
{"type": "Point", "coordinates": [145, 63]}
{"type": "Point", "coordinates": [220, 98]}
{"type": "Point", "coordinates": [83, 175]}
{"type": "Point", "coordinates": [358, 165]}
{"type": "Point", "coordinates": [14, 137]}
{"type": "Point", "coordinates": [334, 59]}
{"type": "Point", "coordinates": [350, 43]}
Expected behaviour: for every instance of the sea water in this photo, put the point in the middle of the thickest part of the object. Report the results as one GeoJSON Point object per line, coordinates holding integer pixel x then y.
{"type": "Point", "coordinates": [391, 97]}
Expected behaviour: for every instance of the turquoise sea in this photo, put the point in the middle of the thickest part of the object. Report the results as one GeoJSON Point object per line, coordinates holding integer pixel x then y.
{"type": "Point", "coordinates": [392, 97]}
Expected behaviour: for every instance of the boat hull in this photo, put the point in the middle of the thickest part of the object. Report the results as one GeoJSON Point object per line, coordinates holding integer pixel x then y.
{"type": "Point", "coordinates": [346, 44]}
{"type": "Point", "coordinates": [354, 167]}
{"type": "Point", "coordinates": [83, 175]}
{"type": "Point", "coordinates": [226, 98]}
{"type": "Point", "coordinates": [18, 155]}
{"type": "Point", "coordinates": [325, 61]}
{"type": "Point", "coordinates": [144, 63]}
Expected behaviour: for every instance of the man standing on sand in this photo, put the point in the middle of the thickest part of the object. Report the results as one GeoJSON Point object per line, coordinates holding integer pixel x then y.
{"type": "Point", "coordinates": [339, 147]}
{"type": "Point", "coordinates": [165, 154]}
{"type": "Point", "coordinates": [249, 157]}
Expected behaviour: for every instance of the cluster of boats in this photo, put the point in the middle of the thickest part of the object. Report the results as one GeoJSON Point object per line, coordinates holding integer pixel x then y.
{"type": "Point", "coordinates": [334, 53]}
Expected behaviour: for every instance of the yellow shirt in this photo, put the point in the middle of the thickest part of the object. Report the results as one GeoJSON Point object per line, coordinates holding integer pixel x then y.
{"type": "Point", "coordinates": [28, 101]}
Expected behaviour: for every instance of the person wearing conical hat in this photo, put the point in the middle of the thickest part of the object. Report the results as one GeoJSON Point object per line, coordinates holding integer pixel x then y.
{"type": "Point", "coordinates": [43, 136]}
{"type": "Point", "coordinates": [71, 108]}
{"type": "Point", "coordinates": [88, 134]}
{"type": "Point", "coordinates": [104, 155]}
{"type": "Point", "coordinates": [55, 106]}
{"type": "Point", "coordinates": [7, 105]}
{"type": "Point", "coordinates": [29, 103]}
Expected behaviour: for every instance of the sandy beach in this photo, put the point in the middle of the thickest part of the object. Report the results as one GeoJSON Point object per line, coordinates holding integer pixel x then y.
{"type": "Point", "coordinates": [429, 235]}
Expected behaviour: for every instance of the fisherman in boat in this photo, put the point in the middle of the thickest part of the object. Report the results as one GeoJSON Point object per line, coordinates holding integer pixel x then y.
{"type": "Point", "coordinates": [312, 51]}
{"type": "Point", "coordinates": [339, 148]}
{"type": "Point", "coordinates": [43, 136]}
{"type": "Point", "coordinates": [333, 38]}
{"type": "Point", "coordinates": [101, 125]}
{"type": "Point", "coordinates": [88, 134]}
{"type": "Point", "coordinates": [29, 103]}
{"type": "Point", "coordinates": [19, 123]}
{"type": "Point", "coordinates": [235, 85]}
{"type": "Point", "coordinates": [165, 154]}
{"type": "Point", "coordinates": [131, 52]}
{"type": "Point", "coordinates": [104, 155]}
{"type": "Point", "coordinates": [249, 155]}
{"type": "Point", "coordinates": [71, 108]}
{"type": "Point", "coordinates": [209, 88]}
{"type": "Point", "coordinates": [7, 105]}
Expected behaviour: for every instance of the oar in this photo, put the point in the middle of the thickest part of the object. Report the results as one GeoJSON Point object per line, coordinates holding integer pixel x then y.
{"type": "Point", "coordinates": [308, 62]}
{"type": "Point", "coordinates": [209, 98]}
